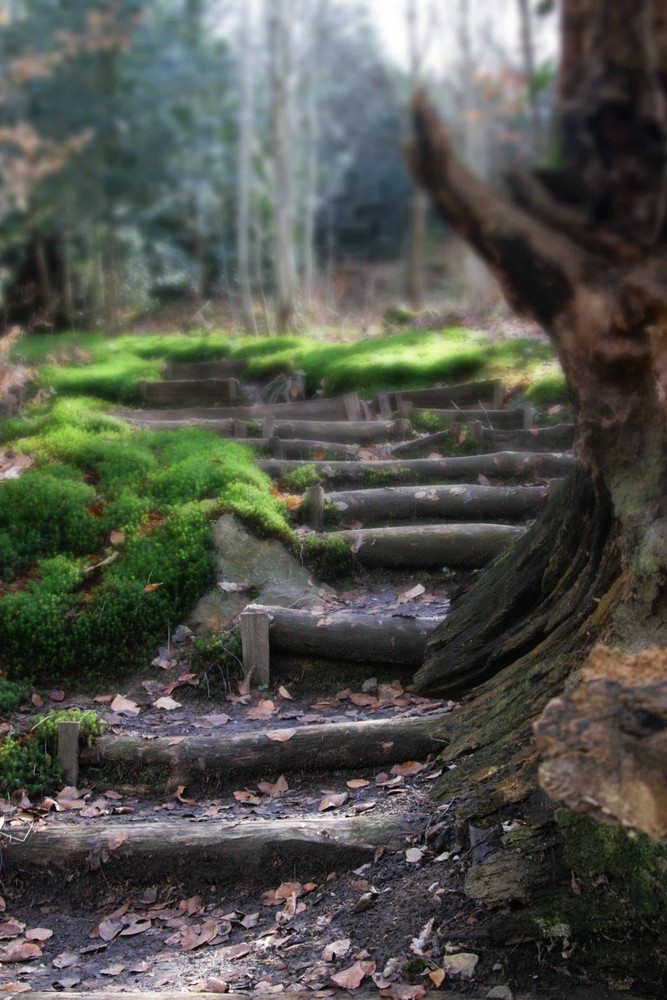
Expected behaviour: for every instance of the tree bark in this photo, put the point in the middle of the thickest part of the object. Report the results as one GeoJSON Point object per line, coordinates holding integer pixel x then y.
{"type": "Point", "coordinates": [246, 141]}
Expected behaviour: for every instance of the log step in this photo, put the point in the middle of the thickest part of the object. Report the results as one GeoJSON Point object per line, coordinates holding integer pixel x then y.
{"type": "Point", "coordinates": [217, 760]}
{"type": "Point", "coordinates": [517, 418]}
{"type": "Point", "coordinates": [430, 546]}
{"type": "Point", "coordinates": [349, 635]}
{"type": "Point", "coordinates": [348, 407]}
{"type": "Point", "coordinates": [185, 392]}
{"type": "Point", "coordinates": [340, 431]}
{"type": "Point", "coordinates": [461, 469]}
{"type": "Point", "coordinates": [467, 501]}
{"type": "Point", "coordinates": [225, 368]}
{"type": "Point", "coordinates": [488, 391]}
{"type": "Point", "coordinates": [211, 853]}
{"type": "Point", "coordinates": [560, 437]}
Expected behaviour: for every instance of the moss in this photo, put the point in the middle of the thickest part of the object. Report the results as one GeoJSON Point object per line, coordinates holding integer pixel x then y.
{"type": "Point", "coordinates": [12, 696]}
{"type": "Point", "coordinates": [330, 558]}
{"type": "Point", "coordinates": [300, 479]}
{"type": "Point", "coordinates": [549, 389]}
{"type": "Point", "coordinates": [45, 727]}
{"type": "Point", "coordinates": [25, 764]}
{"type": "Point", "coordinates": [216, 659]}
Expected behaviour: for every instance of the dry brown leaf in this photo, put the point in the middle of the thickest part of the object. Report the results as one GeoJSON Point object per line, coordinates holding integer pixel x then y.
{"type": "Point", "coordinates": [409, 768]}
{"type": "Point", "coordinates": [233, 952]}
{"type": "Point", "coordinates": [280, 735]}
{"type": "Point", "coordinates": [16, 988]}
{"type": "Point", "coordinates": [403, 991]}
{"type": "Point", "coordinates": [284, 693]}
{"type": "Point", "coordinates": [109, 929]}
{"type": "Point", "coordinates": [287, 889]}
{"type": "Point", "coordinates": [123, 706]}
{"type": "Point", "coordinates": [167, 704]}
{"type": "Point", "coordinates": [414, 855]}
{"type": "Point", "coordinates": [116, 839]}
{"type": "Point", "coordinates": [11, 929]}
{"type": "Point", "coordinates": [37, 700]}
{"type": "Point", "coordinates": [357, 783]}
{"type": "Point", "coordinates": [437, 977]}
{"type": "Point", "coordinates": [247, 798]}
{"type": "Point", "coordinates": [139, 926]}
{"type": "Point", "coordinates": [216, 985]}
{"type": "Point", "coordinates": [351, 979]}
{"type": "Point", "coordinates": [150, 587]}
{"type": "Point", "coordinates": [264, 709]}
{"type": "Point", "coordinates": [332, 800]}
{"type": "Point", "coordinates": [38, 934]}
{"type": "Point", "coordinates": [65, 960]}
{"type": "Point", "coordinates": [410, 595]}
{"type": "Point", "coordinates": [274, 790]}
{"type": "Point", "coordinates": [337, 949]}
{"type": "Point", "coordinates": [57, 695]}
{"type": "Point", "coordinates": [178, 795]}
{"type": "Point", "coordinates": [113, 970]}
{"type": "Point", "coordinates": [364, 700]}
{"type": "Point", "coordinates": [195, 936]}
{"type": "Point", "coordinates": [20, 951]}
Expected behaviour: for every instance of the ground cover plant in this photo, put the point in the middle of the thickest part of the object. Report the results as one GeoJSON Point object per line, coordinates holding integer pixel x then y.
{"type": "Point", "coordinates": [106, 541]}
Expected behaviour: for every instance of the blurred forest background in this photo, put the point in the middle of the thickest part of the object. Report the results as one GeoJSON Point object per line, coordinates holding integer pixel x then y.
{"type": "Point", "coordinates": [238, 163]}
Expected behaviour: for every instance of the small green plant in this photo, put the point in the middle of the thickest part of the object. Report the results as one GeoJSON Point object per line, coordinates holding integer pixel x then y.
{"type": "Point", "coordinates": [300, 479]}
{"type": "Point", "coordinates": [24, 763]}
{"type": "Point", "coordinates": [330, 558]}
{"type": "Point", "coordinates": [216, 659]}
{"type": "Point", "coordinates": [45, 727]}
{"type": "Point", "coordinates": [12, 696]}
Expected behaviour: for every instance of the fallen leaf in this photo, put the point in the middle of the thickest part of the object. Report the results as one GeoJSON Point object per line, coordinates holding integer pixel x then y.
{"type": "Point", "coordinates": [150, 587]}
{"type": "Point", "coordinates": [11, 929]}
{"type": "Point", "coordinates": [113, 970]}
{"type": "Point", "coordinates": [264, 709]}
{"type": "Point", "coordinates": [178, 795]}
{"type": "Point", "coordinates": [402, 991]}
{"type": "Point", "coordinates": [337, 949]}
{"type": "Point", "coordinates": [437, 977]}
{"type": "Point", "coordinates": [284, 693]}
{"type": "Point", "coordinates": [215, 985]}
{"type": "Point", "coordinates": [409, 768]}
{"type": "Point", "coordinates": [281, 735]}
{"type": "Point", "coordinates": [38, 934]}
{"type": "Point", "coordinates": [247, 798]}
{"type": "Point", "coordinates": [123, 706]}
{"type": "Point", "coordinates": [410, 595]}
{"type": "Point", "coordinates": [168, 704]}
{"type": "Point", "coordinates": [332, 800]}
{"type": "Point", "coordinates": [116, 839]}
{"type": "Point", "coordinates": [357, 783]}
{"type": "Point", "coordinates": [462, 964]}
{"type": "Point", "coordinates": [364, 700]}
{"type": "Point", "coordinates": [138, 927]}
{"type": "Point", "coordinates": [195, 936]}
{"type": "Point", "coordinates": [20, 951]}
{"type": "Point", "coordinates": [233, 952]}
{"type": "Point", "coordinates": [65, 960]}
{"type": "Point", "coordinates": [57, 695]}
{"type": "Point", "coordinates": [37, 700]}
{"type": "Point", "coordinates": [351, 979]}
{"type": "Point", "coordinates": [414, 855]}
{"type": "Point", "coordinates": [16, 988]}
{"type": "Point", "coordinates": [109, 929]}
{"type": "Point", "coordinates": [274, 790]}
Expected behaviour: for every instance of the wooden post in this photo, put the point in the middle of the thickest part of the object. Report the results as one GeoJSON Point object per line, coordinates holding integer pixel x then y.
{"type": "Point", "coordinates": [353, 407]}
{"type": "Point", "coordinates": [498, 396]}
{"type": "Point", "coordinates": [68, 750]}
{"type": "Point", "coordinates": [403, 428]}
{"type": "Point", "coordinates": [384, 405]}
{"type": "Point", "coordinates": [315, 507]}
{"type": "Point", "coordinates": [404, 407]}
{"type": "Point", "coordinates": [276, 446]}
{"type": "Point", "coordinates": [528, 416]}
{"type": "Point", "coordinates": [268, 424]}
{"type": "Point", "coordinates": [240, 429]}
{"type": "Point", "coordinates": [255, 645]}
{"type": "Point", "coordinates": [476, 429]}
{"type": "Point", "coordinates": [233, 390]}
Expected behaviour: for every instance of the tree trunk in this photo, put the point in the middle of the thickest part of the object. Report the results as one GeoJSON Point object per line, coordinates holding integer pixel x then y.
{"type": "Point", "coordinates": [246, 139]}
{"type": "Point", "coordinates": [581, 249]}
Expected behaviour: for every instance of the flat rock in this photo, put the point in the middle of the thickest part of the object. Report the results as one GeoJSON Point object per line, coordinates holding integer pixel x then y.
{"type": "Point", "coordinates": [243, 558]}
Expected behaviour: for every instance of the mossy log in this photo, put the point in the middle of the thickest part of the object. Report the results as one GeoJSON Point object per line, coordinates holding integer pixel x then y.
{"type": "Point", "coordinates": [350, 635]}
{"type": "Point", "coordinates": [185, 392]}
{"type": "Point", "coordinates": [604, 743]}
{"type": "Point", "coordinates": [467, 501]}
{"type": "Point", "coordinates": [333, 408]}
{"type": "Point", "coordinates": [560, 437]}
{"type": "Point", "coordinates": [359, 432]}
{"type": "Point", "coordinates": [227, 368]}
{"type": "Point", "coordinates": [211, 853]}
{"type": "Point", "coordinates": [517, 418]}
{"type": "Point", "coordinates": [470, 394]}
{"type": "Point", "coordinates": [503, 465]}
{"type": "Point", "coordinates": [215, 761]}
{"type": "Point", "coordinates": [457, 546]}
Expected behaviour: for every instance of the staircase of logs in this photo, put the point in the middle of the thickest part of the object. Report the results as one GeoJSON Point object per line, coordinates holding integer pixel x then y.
{"type": "Point", "coordinates": [430, 510]}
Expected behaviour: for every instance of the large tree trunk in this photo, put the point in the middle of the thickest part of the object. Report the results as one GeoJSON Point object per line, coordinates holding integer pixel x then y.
{"type": "Point", "coordinates": [581, 250]}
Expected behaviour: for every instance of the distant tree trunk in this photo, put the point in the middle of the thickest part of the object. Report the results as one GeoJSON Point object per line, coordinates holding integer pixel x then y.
{"type": "Point", "coordinates": [246, 140]}
{"type": "Point", "coordinates": [46, 292]}
{"type": "Point", "coordinates": [528, 50]}
{"type": "Point", "coordinates": [582, 250]}
{"type": "Point", "coordinates": [419, 205]}
{"type": "Point", "coordinates": [280, 45]}
{"type": "Point", "coordinates": [311, 137]}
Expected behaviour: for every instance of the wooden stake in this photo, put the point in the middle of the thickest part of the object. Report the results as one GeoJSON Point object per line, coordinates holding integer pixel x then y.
{"type": "Point", "coordinates": [528, 416]}
{"type": "Point", "coordinates": [405, 407]}
{"type": "Point", "coordinates": [255, 645]}
{"type": "Point", "coordinates": [315, 507]}
{"type": "Point", "coordinates": [276, 446]}
{"type": "Point", "coordinates": [384, 405]}
{"type": "Point", "coordinates": [268, 424]}
{"type": "Point", "coordinates": [240, 429]}
{"type": "Point", "coordinates": [68, 750]}
{"type": "Point", "coordinates": [353, 407]}
{"type": "Point", "coordinates": [403, 428]}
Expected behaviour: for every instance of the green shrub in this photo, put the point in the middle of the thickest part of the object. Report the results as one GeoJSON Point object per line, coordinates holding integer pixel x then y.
{"type": "Point", "coordinates": [24, 763]}
{"type": "Point", "coordinates": [45, 727]}
{"type": "Point", "coordinates": [12, 696]}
